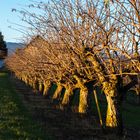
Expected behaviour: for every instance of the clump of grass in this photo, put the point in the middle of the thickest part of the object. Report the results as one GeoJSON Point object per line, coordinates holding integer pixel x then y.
{"type": "Point", "coordinates": [131, 111]}
{"type": "Point", "coordinates": [15, 121]}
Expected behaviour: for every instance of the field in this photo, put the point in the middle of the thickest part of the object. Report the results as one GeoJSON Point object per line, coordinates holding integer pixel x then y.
{"type": "Point", "coordinates": [26, 115]}
{"type": "Point", "coordinates": [15, 121]}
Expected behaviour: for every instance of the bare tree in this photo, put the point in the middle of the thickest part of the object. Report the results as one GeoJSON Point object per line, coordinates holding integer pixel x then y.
{"type": "Point", "coordinates": [84, 41]}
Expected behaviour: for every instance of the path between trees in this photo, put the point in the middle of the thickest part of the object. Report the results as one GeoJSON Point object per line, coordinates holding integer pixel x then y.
{"type": "Point", "coordinates": [63, 125]}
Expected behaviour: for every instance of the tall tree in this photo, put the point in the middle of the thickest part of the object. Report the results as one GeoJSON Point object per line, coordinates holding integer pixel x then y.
{"type": "Point", "coordinates": [86, 41]}
{"type": "Point", "coordinates": [2, 42]}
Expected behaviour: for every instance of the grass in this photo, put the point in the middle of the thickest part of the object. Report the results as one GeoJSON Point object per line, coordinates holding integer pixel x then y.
{"type": "Point", "coordinates": [130, 110]}
{"type": "Point", "coordinates": [15, 121]}
{"type": "Point", "coordinates": [131, 115]}
{"type": "Point", "coordinates": [17, 124]}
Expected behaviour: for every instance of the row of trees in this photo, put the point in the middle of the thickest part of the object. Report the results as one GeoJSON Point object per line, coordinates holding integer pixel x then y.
{"type": "Point", "coordinates": [82, 43]}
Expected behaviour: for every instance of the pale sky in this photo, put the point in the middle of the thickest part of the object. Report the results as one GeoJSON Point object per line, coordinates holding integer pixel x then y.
{"type": "Point", "coordinates": [9, 18]}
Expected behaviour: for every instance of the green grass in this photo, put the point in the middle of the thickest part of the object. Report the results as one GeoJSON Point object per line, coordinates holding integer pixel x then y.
{"type": "Point", "coordinates": [15, 121]}
{"type": "Point", "coordinates": [17, 124]}
{"type": "Point", "coordinates": [131, 115]}
{"type": "Point", "coordinates": [130, 110]}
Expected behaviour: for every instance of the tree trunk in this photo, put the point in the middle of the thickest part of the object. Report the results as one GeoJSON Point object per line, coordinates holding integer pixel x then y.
{"type": "Point", "coordinates": [40, 88]}
{"type": "Point", "coordinates": [30, 83]}
{"type": "Point", "coordinates": [47, 86]}
{"type": "Point", "coordinates": [34, 85]}
{"type": "Point", "coordinates": [68, 93]}
{"type": "Point", "coordinates": [83, 100]}
{"type": "Point", "coordinates": [24, 78]}
{"type": "Point", "coordinates": [109, 86]}
{"type": "Point", "coordinates": [114, 114]}
{"type": "Point", "coordinates": [57, 92]}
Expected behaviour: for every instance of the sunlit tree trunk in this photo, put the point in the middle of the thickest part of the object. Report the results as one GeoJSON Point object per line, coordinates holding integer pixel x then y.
{"type": "Point", "coordinates": [25, 79]}
{"type": "Point", "coordinates": [34, 85]}
{"type": "Point", "coordinates": [57, 92]}
{"type": "Point", "coordinates": [67, 95]}
{"type": "Point", "coordinates": [113, 115]}
{"type": "Point", "coordinates": [83, 100]}
{"type": "Point", "coordinates": [47, 86]}
{"type": "Point", "coordinates": [83, 104]}
{"type": "Point", "coordinates": [114, 111]}
{"type": "Point", "coordinates": [30, 82]}
{"type": "Point", "coordinates": [40, 88]}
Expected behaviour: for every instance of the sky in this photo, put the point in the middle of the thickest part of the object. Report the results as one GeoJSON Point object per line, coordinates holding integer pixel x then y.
{"type": "Point", "coordinates": [9, 18]}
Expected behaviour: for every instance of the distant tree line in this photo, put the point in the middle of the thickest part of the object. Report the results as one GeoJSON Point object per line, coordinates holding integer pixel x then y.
{"type": "Point", "coordinates": [3, 49]}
